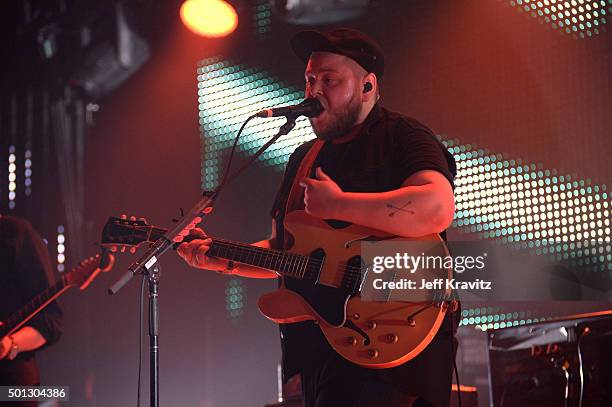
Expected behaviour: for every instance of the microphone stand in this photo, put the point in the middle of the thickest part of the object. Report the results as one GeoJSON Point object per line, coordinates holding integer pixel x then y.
{"type": "Point", "coordinates": [149, 266]}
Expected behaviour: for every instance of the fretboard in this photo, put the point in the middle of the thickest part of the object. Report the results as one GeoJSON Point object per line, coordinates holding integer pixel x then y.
{"type": "Point", "coordinates": [27, 312]}
{"type": "Point", "coordinates": [284, 263]}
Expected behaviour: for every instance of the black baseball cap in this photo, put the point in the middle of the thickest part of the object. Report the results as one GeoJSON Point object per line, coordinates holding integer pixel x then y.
{"type": "Point", "coordinates": [344, 41]}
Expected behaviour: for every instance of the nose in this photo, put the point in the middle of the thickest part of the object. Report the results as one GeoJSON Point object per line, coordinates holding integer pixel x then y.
{"type": "Point", "coordinates": [313, 89]}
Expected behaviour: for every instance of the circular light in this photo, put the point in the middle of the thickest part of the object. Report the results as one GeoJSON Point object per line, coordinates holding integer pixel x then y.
{"type": "Point", "coordinates": [209, 18]}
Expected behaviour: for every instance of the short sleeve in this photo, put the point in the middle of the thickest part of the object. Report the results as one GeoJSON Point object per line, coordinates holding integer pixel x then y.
{"type": "Point", "coordinates": [417, 149]}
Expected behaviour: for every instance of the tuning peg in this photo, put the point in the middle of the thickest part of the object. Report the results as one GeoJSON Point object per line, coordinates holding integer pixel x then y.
{"type": "Point", "coordinates": [132, 218]}
{"type": "Point", "coordinates": [123, 216]}
{"type": "Point", "coordinates": [122, 249]}
{"type": "Point", "coordinates": [113, 249]}
{"type": "Point", "coordinates": [133, 250]}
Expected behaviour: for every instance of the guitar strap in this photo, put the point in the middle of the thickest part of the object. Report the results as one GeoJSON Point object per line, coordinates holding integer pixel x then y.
{"type": "Point", "coordinates": [295, 200]}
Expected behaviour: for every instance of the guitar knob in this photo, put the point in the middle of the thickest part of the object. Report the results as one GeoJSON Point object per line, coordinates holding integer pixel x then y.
{"type": "Point", "coordinates": [373, 353]}
{"type": "Point", "coordinates": [411, 322]}
{"type": "Point", "coordinates": [371, 324]}
{"type": "Point", "coordinates": [356, 316]}
{"type": "Point", "coordinates": [351, 340]}
{"type": "Point", "coordinates": [392, 338]}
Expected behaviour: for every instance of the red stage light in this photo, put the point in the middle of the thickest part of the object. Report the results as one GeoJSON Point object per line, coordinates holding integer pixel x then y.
{"type": "Point", "coordinates": [209, 18]}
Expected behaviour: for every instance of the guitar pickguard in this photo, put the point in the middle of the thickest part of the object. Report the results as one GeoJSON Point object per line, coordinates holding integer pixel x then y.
{"type": "Point", "coordinates": [328, 302]}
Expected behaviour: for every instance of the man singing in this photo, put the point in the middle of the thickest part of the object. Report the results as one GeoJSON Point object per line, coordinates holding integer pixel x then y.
{"type": "Point", "coordinates": [365, 162]}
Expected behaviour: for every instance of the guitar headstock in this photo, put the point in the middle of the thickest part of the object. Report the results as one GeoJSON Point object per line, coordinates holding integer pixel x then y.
{"type": "Point", "coordinates": [86, 271]}
{"type": "Point", "coordinates": [123, 233]}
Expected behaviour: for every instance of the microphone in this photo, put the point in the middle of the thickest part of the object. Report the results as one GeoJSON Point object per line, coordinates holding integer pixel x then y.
{"type": "Point", "coordinates": [310, 107]}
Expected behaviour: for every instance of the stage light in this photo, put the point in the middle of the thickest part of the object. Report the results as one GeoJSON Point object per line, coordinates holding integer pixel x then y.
{"type": "Point", "coordinates": [235, 298]}
{"type": "Point", "coordinates": [12, 177]}
{"type": "Point", "coordinates": [227, 94]}
{"type": "Point", "coordinates": [28, 172]}
{"type": "Point", "coordinates": [565, 15]}
{"type": "Point", "coordinates": [209, 18]}
{"type": "Point", "coordinates": [61, 248]}
{"type": "Point", "coordinates": [315, 12]}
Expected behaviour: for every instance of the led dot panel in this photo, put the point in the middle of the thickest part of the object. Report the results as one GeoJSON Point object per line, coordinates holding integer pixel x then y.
{"type": "Point", "coordinates": [235, 298]}
{"type": "Point", "coordinates": [228, 94]}
{"type": "Point", "coordinates": [262, 18]}
{"type": "Point", "coordinates": [509, 200]}
{"type": "Point", "coordinates": [529, 207]}
{"type": "Point", "coordinates": [495, 318]}
{"type": "Point", "coordinates": [578, 18]}
{"type": "Point", "coordinates": [61, 248]}
{"type": "Point", "coordinates": [28, 172]}
{"type": "Point", "coordinates": [12, 177]}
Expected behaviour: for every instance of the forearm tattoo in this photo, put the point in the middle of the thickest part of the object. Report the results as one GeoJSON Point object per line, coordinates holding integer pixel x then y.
{"type": "Point", "coordinates": [397, 209]}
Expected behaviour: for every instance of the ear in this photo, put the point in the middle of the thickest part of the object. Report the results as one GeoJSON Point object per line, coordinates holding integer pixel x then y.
{"type": "Point", "coordinates": [370, 95]}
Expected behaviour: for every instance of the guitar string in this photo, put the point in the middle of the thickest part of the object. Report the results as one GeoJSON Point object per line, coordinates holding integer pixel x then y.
{"type": "Point", "coordinates": [270, 252]}
{"type": "Point", "coordinates": [352, 274]}
{"type": "Point", "coordinates": [355, 271]}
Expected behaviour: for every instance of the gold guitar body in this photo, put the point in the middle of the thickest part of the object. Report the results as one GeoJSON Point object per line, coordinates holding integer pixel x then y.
{"type": "Point", "coordinates": [392, 335]}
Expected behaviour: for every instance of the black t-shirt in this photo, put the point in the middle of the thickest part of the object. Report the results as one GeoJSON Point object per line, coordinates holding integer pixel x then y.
{"type": "Point", "coordinates": [25, 272]}
{"type": "Point", "coordinates": [388, 149]}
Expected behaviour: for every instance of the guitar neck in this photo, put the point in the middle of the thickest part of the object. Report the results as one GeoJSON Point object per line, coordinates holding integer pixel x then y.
{"type": "Point", "coordinates": [27, 312]}
{"type": "Point", "coordinates": [281, 262]}
{"type": "Point", "coordinates": [285, 263]}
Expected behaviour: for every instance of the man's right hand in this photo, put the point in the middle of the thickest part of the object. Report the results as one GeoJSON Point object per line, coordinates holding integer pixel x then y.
{"type": "Point", "coordinates": [194, 252]}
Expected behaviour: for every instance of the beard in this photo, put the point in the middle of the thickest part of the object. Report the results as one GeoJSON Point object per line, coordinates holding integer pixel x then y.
{"type": "Point", "coordinates": [340, 122]}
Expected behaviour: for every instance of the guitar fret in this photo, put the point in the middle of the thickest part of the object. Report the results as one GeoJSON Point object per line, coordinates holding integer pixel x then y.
{"type": "Point", "coordinates": [34, 304]}
{"type": "Point", "coordinates": [283, 261]}
{"type": "Point", "coordinates": [277, 260]}
{"type": "Point", "coordinates": [289, 263]}
{"type": "Point", "coordinates": [258, 257]}
{"type": "Point", "coordinates": [304, 266]}
{"type": "Point", "coordinates": [267, 261]}
{"type": "Point", "coordinates": [293, 263]}
{"type": "Point", "coordinates": [296, 262]}
{"type": "Point", "coordinates": [301, 266]}
{"type": "Point", "coordinates": [280, 261]}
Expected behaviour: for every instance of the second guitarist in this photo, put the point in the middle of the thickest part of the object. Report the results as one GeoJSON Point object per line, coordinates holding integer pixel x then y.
{"type": "Point", "coordinates": [25, 271]}
{"type": "Point", "coordinates": [371, 167]}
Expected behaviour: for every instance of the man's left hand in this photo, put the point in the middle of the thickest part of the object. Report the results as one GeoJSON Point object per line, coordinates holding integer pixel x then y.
{"type": "Point", "coordinates": [321, 195]}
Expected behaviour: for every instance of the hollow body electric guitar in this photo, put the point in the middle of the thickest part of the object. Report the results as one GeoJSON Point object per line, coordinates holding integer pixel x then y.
{"type": "Point", "coordinates": [322, 275]}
